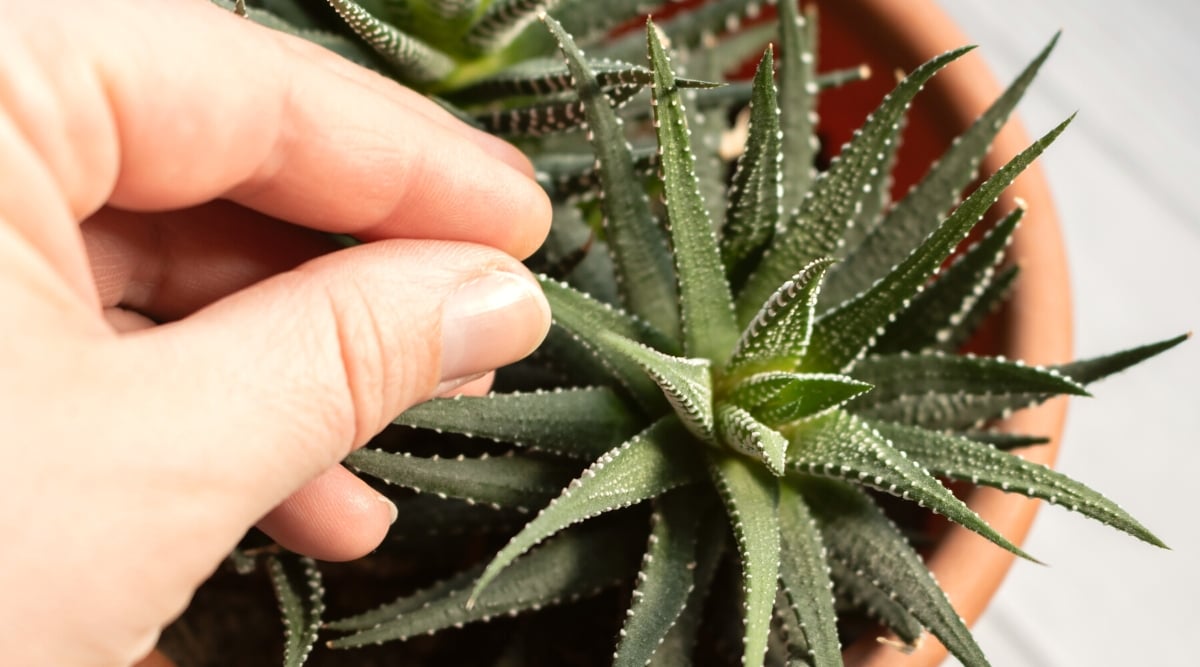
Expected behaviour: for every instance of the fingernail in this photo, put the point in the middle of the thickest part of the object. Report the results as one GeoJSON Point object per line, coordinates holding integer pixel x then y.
{"type": "Point", "coordinates": [491, 321]}
{"type": "Point", "coordinates": [447, 386]}
{"type": "Point", "coordinates": [393, 511]}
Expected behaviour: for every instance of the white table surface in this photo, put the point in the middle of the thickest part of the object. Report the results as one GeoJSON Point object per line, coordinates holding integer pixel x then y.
{"type": "Point", "coordinates": [1125, 180]}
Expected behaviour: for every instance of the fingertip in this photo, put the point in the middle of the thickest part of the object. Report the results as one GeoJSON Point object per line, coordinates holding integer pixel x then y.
{"type": "Point", "coordinates": [335, 517]}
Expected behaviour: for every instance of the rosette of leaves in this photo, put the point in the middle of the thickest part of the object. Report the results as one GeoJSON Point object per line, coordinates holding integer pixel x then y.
{"type": "Point", "coordinates": [758, 357]}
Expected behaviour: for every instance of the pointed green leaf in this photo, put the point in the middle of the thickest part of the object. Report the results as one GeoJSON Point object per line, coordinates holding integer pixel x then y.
{"type": "Point", "coordinates": [906, 384]}
{"type": "Point", "coordinates": [538, 119]}
{"type": "Point", "coordinates": [861, 593]}
{"type": "Point", "coordinates": [796, 396]}
{"type": "Point", "coordinates": [412, 59]}
{"type": "Point", "coordinates": [301, 597]}
{"type": "Point", "coordinates": [1087, 371]}
{"type": "Point", "coordinates": [574, 176]}
{"type": "Point", "coordinates": [739, 430]}
{"type": "Point", "coordinates": [503, 21]}
{"type": "Point", "coordinates": [934, 316]}
{"type": "Point", "coordinates": [686, 30]}
{"type": "Point", "coordinates": [738, 93]}
{"type": "Point", "coordinates": [754, 204]}
{"type": "Point", "coordinates": [706, 305]}
{"type": "Point", "coordinates": [418, 599]}
{"type": "Point", "coordinates": [821, 220]}
{"type": "Point", "coordinates": [734, 50]}
{"type": "Point", "coordinates": [561, 360]}
{"type": "Point", "coordinates": [502, 481]}
{"type": "Point", "coordinates": [805, 579]}
{"type": "Point", "coordinates": [294, 21]}
{"type": "Point", "coordinates": [1005, 441]}
{"type": "Point", "coordinates": [959, 458]}
{"type": "Point", "coordinates": [845, 333]}
{"type": "Point", "coordinates": [917, 215]}
{"type": "Point", "coordinates": [995, 294]}
{"type": "Point", "coordinates": [585, 318]}
{"type": "Point", "coordinates": [667, 576]}
{"type": "Point", "coordinates": [842, 446]}
{"type": "Point", "coordinates": [968, 411]}
{"type": "Point", "coordinates": [638, 243]}
{"type": "Point", "coordinates": [579, 423]}
{"type": "Point", "coordinates": [587, 19]}
{"type": "Point", "coordinates": [798, 101]}
{"type": "Point", "coordinates": [751, 497]}
{"type": "Point", "coordinates": [659, 459]}
{"type": "Point", "coordinates": [543, 77]}
{"type": "Point", "coordinates": [424, 519]}
{"type": "Point", "coordinates": [687, 383]}
{"type": "Point", "coordinates": [859, 536]}
{"type": "Point", "coordinates": [565, 568]}
{"type": "Point", "coordinates": [678, 646]}
{"type": "Point", "coordinates": [708, 129]}
{"type": "Point", "coordinates": [781, 330]}
{"type": "Point", "coordinates": [876, 198]}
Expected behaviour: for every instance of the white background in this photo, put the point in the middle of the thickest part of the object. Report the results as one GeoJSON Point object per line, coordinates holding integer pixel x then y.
{"type": "Point", "coordinates": [1125, 180]}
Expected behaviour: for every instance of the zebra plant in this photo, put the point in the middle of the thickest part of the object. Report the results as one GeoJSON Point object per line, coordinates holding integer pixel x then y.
{"type": "Point", "coordinates": [760, 359]}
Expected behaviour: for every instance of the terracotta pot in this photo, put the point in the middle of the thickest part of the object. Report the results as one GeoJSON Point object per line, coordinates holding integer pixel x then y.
{"type": "Point", "coordinates": [1035, 327]}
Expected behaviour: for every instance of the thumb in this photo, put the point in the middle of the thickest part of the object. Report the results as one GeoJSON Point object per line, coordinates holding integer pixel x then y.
{"type": "Point", "coordinates": [280, 381]}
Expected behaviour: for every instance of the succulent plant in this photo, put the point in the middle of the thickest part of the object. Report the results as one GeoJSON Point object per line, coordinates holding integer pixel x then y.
{"type": "Point", "coordinates": [760, 355]}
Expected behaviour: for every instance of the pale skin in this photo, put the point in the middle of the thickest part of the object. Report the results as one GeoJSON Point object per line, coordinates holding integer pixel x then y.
{"type": "Point", "coordinates": [185, 352]}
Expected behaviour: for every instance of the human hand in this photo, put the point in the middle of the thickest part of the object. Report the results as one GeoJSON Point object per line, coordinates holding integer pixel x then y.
{"type": "Point", "coordinates": [168, 162]}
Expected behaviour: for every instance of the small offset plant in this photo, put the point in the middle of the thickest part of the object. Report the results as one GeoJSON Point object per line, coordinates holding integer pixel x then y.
{"type": "Point", "coordinates": [758, 352]}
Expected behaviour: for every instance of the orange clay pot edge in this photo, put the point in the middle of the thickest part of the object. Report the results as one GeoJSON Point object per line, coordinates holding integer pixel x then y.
{"type": "Point", "coordinates": [1036, 325]}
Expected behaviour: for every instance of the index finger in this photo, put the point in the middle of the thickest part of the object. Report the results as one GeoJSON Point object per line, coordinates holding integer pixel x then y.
{"type": "Point", "coordinates": [198, 104]}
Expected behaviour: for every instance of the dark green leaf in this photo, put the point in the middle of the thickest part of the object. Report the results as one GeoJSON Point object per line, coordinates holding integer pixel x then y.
{"type": "Point", "coordinates": [754, 204]}
{"type": "Point", "coordinates": [861, 593]}
{"type": "Point", "coordinates": [706, 304]}
{"type": "Point", "coordinates": [659, 459]}
{"type": "Point", "coordinates": [739, 430]}
{"type": "Point", "coordinates": [842, 446]}
{"type": "Point", "coordinates": [413, 60]}
{"type": "Point", "coordinates": [934, 317]}
{"type": "Point", "coordinates": [687, 383]}
{"type": "Point", "coordinates": [585, 318]}
{"type": "Point", "coordinates": [906, 384]}
{"type": "Point", "coordinates": [1087, 371]}
{"type": "Point", "coordinates": [298, 589]}
{"type": "Point", "coordinates": [1005, 441]}
{"type": "Point", "coordinates": [637, 242]}
{"type": "Point", "coordinates": [797, 101]}
{"type": "Point", "coordinates": [579, 423]}
{"type": "Point", "coordinates": [804, 576]}
{"type": "Point", "coordinates": [845, 333]}
{"type": "Point", "coordinates": [821, 220]}
{"type": "Point", "coordinates": [502, 22]}
{"type": "Point", "coordinates": [779, 334]}
{"type": "Point", "coordinates": [959, 458]}
{"type": "Point", "coordinates": [503, 481]}
{"type": "Point", "coordinates": [667, 577]}
{"type": "Point", "coordinates": [778, 399]}
{"type": "Point", "coordinates": [919, 213]}
{"type": "Point", "coordinates": [565, 568]}
{"type": "Point", "coordinates": [751, 499]}
{"type": "Point", "coordinates": [862, 539]}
